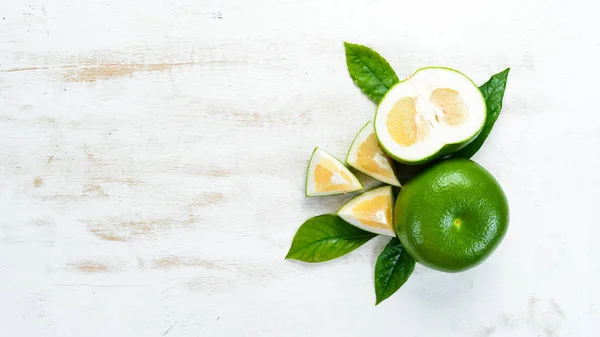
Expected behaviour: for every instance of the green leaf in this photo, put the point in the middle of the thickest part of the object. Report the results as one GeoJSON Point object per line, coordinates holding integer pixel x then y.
{"type": "Point", "coordinates": [369, 70]}
{"type": "Point", "coordinates": [392, 269]}
{"type": "Point", "coordinates": [326, 237]}
{"type": "Point", "coordinates": [493, 92]}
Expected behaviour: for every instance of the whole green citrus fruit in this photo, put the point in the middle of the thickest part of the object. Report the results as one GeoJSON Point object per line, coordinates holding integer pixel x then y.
{"type": "Point", "coordinates": [452, 216]}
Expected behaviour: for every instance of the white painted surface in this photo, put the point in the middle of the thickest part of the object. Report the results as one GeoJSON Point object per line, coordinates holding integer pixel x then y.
{"type": "Point", "coordinates": [152, 158]}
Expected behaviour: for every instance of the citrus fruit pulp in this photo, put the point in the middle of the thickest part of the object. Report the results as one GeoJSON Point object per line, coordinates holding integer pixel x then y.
{"type": "Point", "coordinates": [327, 176]}
{"type": "Point", "coordinates": [371, 211]}
{"type": "Point", "coordinates": [366, 156]}
{"type": "Point", "coordinates": [452, 216]}
{"type": "Point", "coordinates": [434, 112]}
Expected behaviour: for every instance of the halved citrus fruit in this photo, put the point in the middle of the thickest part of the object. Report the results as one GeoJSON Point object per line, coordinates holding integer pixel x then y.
{"type": "Point", "coordinates": [366, 156]}
{"type": "Point", "coordinates": [371, 211]}
{"type": "Point", "coordinates": [434, 112]}
{"type": "Point", "coordinates": [328, 176]}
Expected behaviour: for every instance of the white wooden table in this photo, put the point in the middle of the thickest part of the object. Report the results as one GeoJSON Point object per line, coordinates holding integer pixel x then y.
{"type": "Point", "coordinates": [152, 158]}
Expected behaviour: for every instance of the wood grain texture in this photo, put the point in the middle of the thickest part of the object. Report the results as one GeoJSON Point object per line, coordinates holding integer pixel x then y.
{"type": "Point", "coordinates": [152, 160]}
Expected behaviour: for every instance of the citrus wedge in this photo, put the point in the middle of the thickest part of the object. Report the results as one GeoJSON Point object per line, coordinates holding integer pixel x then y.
{"type": "Point", "coordinates": [371, 211]}
{"type": "Point", "coordinates": [368, 157]}
{"type": "Point", "coordinates": [434, 112]}
{"type": "Point", "coordinates": [328, 176]}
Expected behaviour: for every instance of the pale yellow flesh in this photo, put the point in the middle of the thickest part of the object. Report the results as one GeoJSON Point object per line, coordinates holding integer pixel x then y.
{"type": "Point", "coordinates": [454, 109]}
{"type": "Point", "coordinates": [371, 211]}
{"type": "Point", "coordinates": [407, 125]}
{"type": "Point", "coordinates": [371, 158]}
{"type": "Point", "coordinates": [375, 212]}
{"type": "Point", "coordinates": [329, 178]}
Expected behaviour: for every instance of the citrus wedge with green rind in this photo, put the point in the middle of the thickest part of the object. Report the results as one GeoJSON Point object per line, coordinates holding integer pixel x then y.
{"type": "Point", "coordinates": [432, 113]}
{"type": "Point", "coordinates": [366, 156]}
{"type": "Point", "coordinates": [371, 211]}
{"type": "Point", "coordinates": [328, 176]}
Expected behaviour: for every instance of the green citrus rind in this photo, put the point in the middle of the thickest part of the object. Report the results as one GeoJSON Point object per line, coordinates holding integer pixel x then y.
{"type": "Point", "coordinates": [452, 216]}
